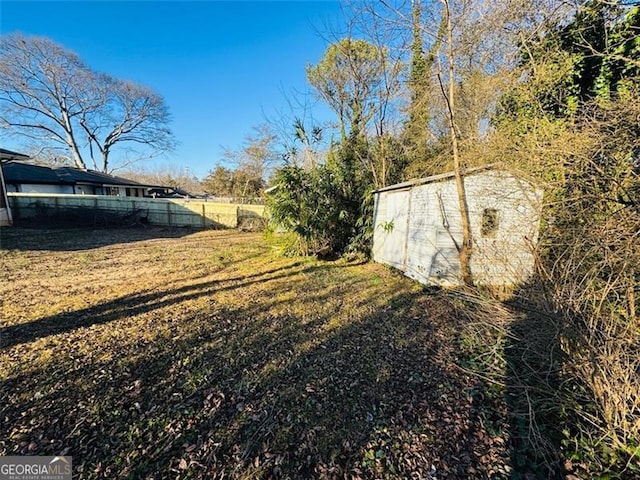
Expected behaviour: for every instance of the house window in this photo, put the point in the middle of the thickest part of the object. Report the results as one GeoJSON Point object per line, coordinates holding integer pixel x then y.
{"type": "Point", "coordinates": [490, 222]}
{"type": "Point", "coordinates": [114, 191]}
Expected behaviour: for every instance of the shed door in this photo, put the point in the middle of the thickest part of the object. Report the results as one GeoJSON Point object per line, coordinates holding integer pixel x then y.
{"type": "Point", "coordinates": [394, 248]}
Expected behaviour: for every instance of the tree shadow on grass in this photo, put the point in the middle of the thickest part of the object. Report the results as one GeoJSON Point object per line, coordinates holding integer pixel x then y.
{"type": "Point", "coordinates": [46, 237]}
{"type": "Point", "coordinates": [512, 348]}
{"type": "Point", "coordinates": [131, 305]}
{"type": "Point", "coordinates": [534, 391]}
{"type": "Point", "coordinates": [375, 398]}
{"type": "Point", "coordinates": [244, 393]}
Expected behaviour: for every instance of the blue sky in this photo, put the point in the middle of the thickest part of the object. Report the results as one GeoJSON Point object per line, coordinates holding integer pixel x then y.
{"type": "Point", "coordinates": [220, 66]}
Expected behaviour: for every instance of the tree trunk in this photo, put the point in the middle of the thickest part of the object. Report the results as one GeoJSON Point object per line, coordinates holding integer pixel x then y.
{"type": "Point", "coordinates": [465, 249]}
{"type": "Point", "coordinates": [105, 160]}
{"type": "Point", "coordinates": [71, 142]}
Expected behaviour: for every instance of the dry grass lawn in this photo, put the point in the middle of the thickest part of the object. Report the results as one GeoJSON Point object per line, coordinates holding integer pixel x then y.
{"type": "Point", "coordinates": [170, 354]}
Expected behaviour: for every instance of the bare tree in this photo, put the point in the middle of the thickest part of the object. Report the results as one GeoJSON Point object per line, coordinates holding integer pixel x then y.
{"type": "Point", "coordinates": [166, 175]}
{"type": "Point", "coordinates": [253, 163]}
{"type": "Point", "coordinates": [50, 96]}
{"type": "Point", "coordinates": [259, 152]}
{"type": "Point", "coordinates": [465, 248]}
{"type": "Point", "coordinates": [132, 114]}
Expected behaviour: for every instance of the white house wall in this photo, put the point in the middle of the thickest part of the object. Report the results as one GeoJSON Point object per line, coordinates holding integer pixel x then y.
{"type": "Point", "coordinates": [42, 188]}
{"type": "Point", "coordinates": [428, 251]}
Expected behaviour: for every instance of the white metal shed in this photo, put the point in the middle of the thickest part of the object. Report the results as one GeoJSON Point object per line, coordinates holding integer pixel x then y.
{"type": "Point", "coordinates": [417, 225]}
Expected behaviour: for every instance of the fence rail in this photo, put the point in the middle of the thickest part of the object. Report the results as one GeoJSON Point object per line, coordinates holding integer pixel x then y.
{"type": "Point", "coordinates": [110, 210]}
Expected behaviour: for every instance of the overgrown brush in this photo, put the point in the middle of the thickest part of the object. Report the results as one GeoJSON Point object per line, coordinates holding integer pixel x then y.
{"type": "Point", "coordinates": [565, 350]}
{"type": "Point", "coordinates": [571, 121]}
{"type": "Point", "coordinates": [592, 285]}
{"type": "Point", "coordinates": [513, 350]}
{"type": "Point", "coordinates": [327, 208]}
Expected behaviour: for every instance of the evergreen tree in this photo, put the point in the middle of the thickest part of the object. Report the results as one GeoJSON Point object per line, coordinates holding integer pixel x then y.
{"type": "Point", "coordinates": [417, 133]}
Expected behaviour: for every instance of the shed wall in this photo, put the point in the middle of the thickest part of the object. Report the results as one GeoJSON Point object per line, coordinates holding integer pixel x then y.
{"type": "Point", "coordinates": [501, 256]}
{"type": "Point", "coordinates": [432, 256]}
{"type": "Point", "coordinates": [392, 210]}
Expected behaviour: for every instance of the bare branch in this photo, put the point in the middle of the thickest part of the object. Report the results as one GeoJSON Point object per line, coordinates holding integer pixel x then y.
{"type": "Point", "coordinates": [45, 88]}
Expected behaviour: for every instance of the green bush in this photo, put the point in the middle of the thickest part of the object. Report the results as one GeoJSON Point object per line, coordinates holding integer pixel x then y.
{"type": "Point", "coordinates": [328, 207]}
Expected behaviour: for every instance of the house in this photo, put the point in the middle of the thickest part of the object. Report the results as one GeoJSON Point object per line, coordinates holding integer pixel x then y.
{"type": "Point", "coordinates": [5, 211]}
{"type": "Point", "coordinates": [417, 227]}
{"type": "Point", "coordinates": [28, 178]}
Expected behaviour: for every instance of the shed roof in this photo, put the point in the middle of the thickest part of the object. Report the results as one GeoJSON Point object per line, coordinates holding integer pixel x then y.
{"type": "Point", "coordinates": [436, 178]}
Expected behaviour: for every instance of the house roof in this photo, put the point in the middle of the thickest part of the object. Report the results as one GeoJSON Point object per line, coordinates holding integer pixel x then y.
{"type": "Point", "coordinates": [9, 155]}
{"type": "Point", "coordinates": [19, 172]}
{"type": "Point", "coordinates": [75, 176]}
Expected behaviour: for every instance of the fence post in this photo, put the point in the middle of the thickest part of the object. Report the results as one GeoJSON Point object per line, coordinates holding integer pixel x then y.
{"type": "Point", "coordinates": [204, 216]}
{"type": "Point", "coordinates": [169, 213]}
{"type": "Point", "coordinates": [95, 211]}
{"type": "Point", "coordinates": [16, 208]}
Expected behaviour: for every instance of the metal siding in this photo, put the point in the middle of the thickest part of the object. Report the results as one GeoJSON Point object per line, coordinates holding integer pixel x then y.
{"type": "Point", "coordinates": [391, 228]}
{"type": "Point", "coordinates": [506, 257]}
{"type": "Point", "coordinates": [431, 256]}
{"type": "Point", "coordinates": [420, 239]}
